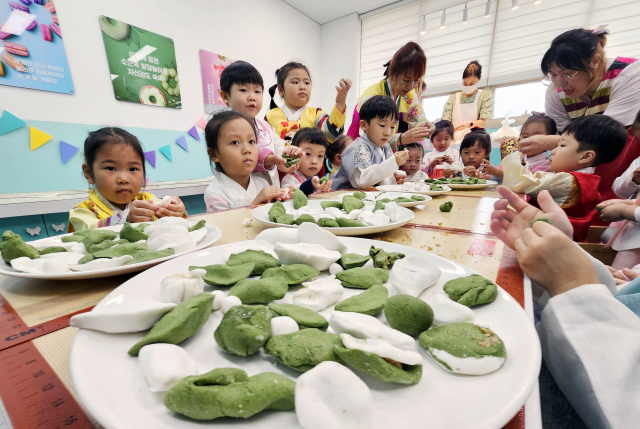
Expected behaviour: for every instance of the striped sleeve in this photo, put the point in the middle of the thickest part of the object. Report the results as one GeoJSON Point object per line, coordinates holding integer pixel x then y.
{"type": "Point", "coordinates": [331, 125]}
{"type": "Point", "coordinates": [215, 203]}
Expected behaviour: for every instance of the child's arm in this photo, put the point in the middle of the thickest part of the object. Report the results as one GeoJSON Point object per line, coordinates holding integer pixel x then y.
{"type": "Point", "coordinates": [363, 178]}
{"type": "Point", "coordinates": [621, 211]}
{"type": "Point", "coordinates": [266, 160]}
{"type": "Point", "coordinates": [81, 219]}
{"type": "Point", "coordinates": [333, 125]}
{"type": "Point", "coordinates": [269, 193]}
{"type": "Point", "coordinates": [629, 183]}
{"type": "Point", "coordinates": [215, 202]}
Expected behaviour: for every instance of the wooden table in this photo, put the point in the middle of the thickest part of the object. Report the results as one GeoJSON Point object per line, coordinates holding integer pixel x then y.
{"type": "Point", "coordinates": [35, 337]}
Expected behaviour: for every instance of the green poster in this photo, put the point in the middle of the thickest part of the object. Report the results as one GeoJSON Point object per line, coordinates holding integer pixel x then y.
{"type": "Point", "coordinates": [142, 65]}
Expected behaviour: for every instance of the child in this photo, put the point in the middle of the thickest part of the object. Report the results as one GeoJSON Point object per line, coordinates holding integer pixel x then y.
{"type": "Point", "coordinates": [114, 165]}
{"type": "Point", "coordinates": [369, 160]}
{"type": "Point", "coordinates": [334, 155]}
{"type": "Point", "coordinates": [313, 145]}
{"type": "Point", "coordinates": [294, 86]}
{"type": "Point", "coordinates": [537, 124]}
{"type": "Point", "coordinates": [474, 150]}
{"type": "Point", "coordinates": [232, 146]}
{"type": "Point", "coordinates": [241, 88]}
{"type": "Point", "coordinates": [586, 142]}
{"type": "Point", "coordinates": [442, 155]}
{"type": "Point", "coordinates": [413, 166]}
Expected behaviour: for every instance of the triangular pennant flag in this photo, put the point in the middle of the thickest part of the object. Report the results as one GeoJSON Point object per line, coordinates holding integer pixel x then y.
{"type": "Point", "coordinates": [10, 123]}
{"type": "Point", "coordinates": [67, 151]}
{"type": "Point", "coordinates": [193, 132]}
{"type": "Point", "coordinates": [166, 151]}
{"type": "Point", "coordinates": [201, 123]}
{"type": "Point", "coordinates": [182, 142]}
{"type": "Point", "coordinates": [38, 138]}
{"type": "Point", "coordinates": [151, 157]}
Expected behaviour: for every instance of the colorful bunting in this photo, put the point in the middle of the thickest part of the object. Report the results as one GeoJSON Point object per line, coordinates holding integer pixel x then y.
{"type": "Point", "coordinates": [151, 157]}
{"type": "Point", "coordinates": [193, 132]}
{"type": "Point", "coordinates": [182, 142]}
{"type": "Point", "coordinates": [10, 123]}
{"type": "Point", "coordinates": [166, 151]}
{"type": "Point", "coordinates": [67, 151]}
{"type": "Point", "coordinates": [201, 123]}
{"type": "Point", "coordinates": [38, 138]}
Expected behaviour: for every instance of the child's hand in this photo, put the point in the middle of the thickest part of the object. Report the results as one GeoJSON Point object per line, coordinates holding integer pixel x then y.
{"type": "Point", "coordinates": [448, 173]}
{"type": "Point", "coordinates": [400, 178]}
{"type": "Point", "coordinates": [617, 212]}
{"type": "Point", "coordinates": [176, 209]}
{"type": "Point", "coordinates": [553, 260]}
{"type": "Point", "coordinates": [447, 159]}
{"type": "Point", "coordinates": [281, 163]}
{"type": "Point", "coordinates": [636, 176]}
{"type": "Point", "coordinates": [267, 194]}
{"type": "Point", "coordinates": [616, 201]}
{"type": "Point", "coordinates": [341, 98]}
{"type": "Point", "coordinates": [470, 171]}
{"type": "Point", "coordinates": [285, 193]}
{"type": "Point", "coordinates": [436, 161]}
{"type": "Point", "coordinates": [624, 276]}
{"type": "Point", "coordinates": [489, 168]}
{"type": "Point", "coordinates": [292, 151]}
{"type": "Point", "coordinates": [321, 187]}
{"type": "Point", "coordinates": [401, 157]}
{"type": "Point", "coordinates": [141, 211]}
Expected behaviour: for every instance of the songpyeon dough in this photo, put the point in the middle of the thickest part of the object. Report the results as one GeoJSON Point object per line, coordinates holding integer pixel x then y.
{"type": "Point", "coordinates": [131, 234]}
{"type": "Point", "coordinates": [384, 259]}
{"type": "Point", "coordinates": [370, 302]}
{"type": "Point", "coordinates": [13, 246]}
{"type": "Point", "coordinates": [304, 349]}
{"type": "Point", "coordinates": [304, 317]}
{"type": "Point", "coordinates": [225, 275]}
{"type": "Point", "coordinates": [319, 294]}
{"type": "Point", "coordinates": [310, 254]}
{"type": "Point", "coordinates": [244, 329]}
{"type": "Point", "coordinates": [261, 259]}
{"type": "Point", "coordinates": [148, 255]}
{"type": "Point", "coordinates": [363, 278]}
{"type": "Point", "coordinates": [350, 202]}
{"type": "Point", "coordinates": [363, 327]}
{"type": "Point", "coordinates": [293, 274]}
{"type": "Point", "coordinates": [260, 291]}
{"type": "Point", "coordinates": [408, 314]}
{"type": "Point", "coordinates": [353, 260]}
{"type": "Point", "coordinates": [471, 290]}
{"type": "Point", "coordinates": [413, 274]}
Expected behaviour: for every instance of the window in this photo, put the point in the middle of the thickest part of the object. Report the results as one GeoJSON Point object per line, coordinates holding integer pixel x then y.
{"type": "Point", "coordinates": [433, 106]}
{"type": "Point", "coordinates": [519, 99]}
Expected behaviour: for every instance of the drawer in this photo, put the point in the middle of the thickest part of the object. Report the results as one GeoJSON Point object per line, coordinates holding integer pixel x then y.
{"type": "Point", "coordinates": [194, 204]}
{"type": "Point", "coordinates": [20, 224]}
{"type": "Point", "coordinates": [56, 223]}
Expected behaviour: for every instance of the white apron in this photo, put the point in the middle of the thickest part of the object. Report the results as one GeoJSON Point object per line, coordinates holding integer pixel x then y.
{"type": "Point", "coordinates": [464, 113]}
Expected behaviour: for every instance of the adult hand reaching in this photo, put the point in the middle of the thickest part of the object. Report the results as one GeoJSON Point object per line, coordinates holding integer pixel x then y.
{"type": "Point", "coordinates": [417, 134]}
{"type": "Point", "coordinates": [508, 224]}
{"type": "Point", "coordinates": [535, 145]}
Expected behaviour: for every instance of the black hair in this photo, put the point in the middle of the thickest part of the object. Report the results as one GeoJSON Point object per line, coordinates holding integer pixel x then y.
{"type": "Point", "coordinates": [541, 118]}
{"type": "Point", "coordinates": [638, 117]}
{"type": "Point", "coordinates": [334, 149]}
{"type": "Point", "coordinates": [309, 135]}
{"type": "Point", "coordinates": [378, 107]}
{"type": "Point", "coordinates": [573, 50]}
{"type": "Point", "coordinates": [599, 133]}
{"type": "Point", "coordinates": [281, 76]}
{"type": "Point", "coordinates": [412, 146]}
{"type": "Point", "coordinates": [472, 69]}
{"type": "Point", "coordinates": [443, 125]}
{"type": "Point", "coordinates": [111, 135]}
{"type": "Point", "coordinates": [212, 131]}
{"type": "Point", "coordinates": [239, 73]}
{"type": "Point", "coordinates": [477, 135]}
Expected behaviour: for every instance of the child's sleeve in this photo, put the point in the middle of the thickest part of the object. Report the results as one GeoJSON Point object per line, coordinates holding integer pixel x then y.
{"type": "Point", "coordinates": [81, 219]}
{"type": "Point", "coordinates": [215, 202]}
{"type": "Point", "coordinates": [307, 186]}
{"type": "Point", "coordinates": [289, 179]}
{"type": "Point", "coordinates": [331, 125]}
{"type": "Point", "coordinates": [365, 174]}
{"type": "Point", "coordinates": [262, 155]}
{"type": "Point", "coordinates": [623, 186]}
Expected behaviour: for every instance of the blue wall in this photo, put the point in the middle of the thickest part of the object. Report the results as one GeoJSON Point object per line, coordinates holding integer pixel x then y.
{"type": "Point", "coordinates": [42, 170]}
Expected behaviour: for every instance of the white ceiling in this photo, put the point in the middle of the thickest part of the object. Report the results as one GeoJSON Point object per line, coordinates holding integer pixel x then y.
{"type": "Point", "coordinates": [323, 11]}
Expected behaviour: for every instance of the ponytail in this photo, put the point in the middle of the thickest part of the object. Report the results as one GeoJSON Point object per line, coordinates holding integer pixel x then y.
{"type": "Point", "coordinates": [272, 93]}
{"type": "Point", "coordinates": [281, 76]}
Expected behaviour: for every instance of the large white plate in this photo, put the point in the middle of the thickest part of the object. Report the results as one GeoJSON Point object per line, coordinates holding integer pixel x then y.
{"type": "Point", "coordinates": [213, 234]}
{"type": "Point", "coordinates": [400, 188]}
{"type": "Point", "coordinates": [460, 187]}
{"type": "Point", "coordinates": [111, 386]}
{"type": "Point", "coordinates": [394, 195]}
{"type": "Point", "coordinates": [261, 214]}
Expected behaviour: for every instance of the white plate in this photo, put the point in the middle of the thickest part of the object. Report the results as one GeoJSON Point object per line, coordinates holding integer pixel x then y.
{"type": "Point", "coordinates": [400, 188]}
{"type": "Point", "coordinates": [213, 234]}
{"type": "Point", "coordinates": [394, 195]}
{"type": "Point", "coordinates": [261, 214]}
{"type": "Point", "coordinates": [112, 388]}
{"type": "Point", "coordinates": [459, 187]}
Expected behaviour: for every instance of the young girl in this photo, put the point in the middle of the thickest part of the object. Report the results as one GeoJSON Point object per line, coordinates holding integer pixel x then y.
{"type": "Point", "coordinates": [294, 86]}
{"type": "Point", "coordinates": [313, 145]}
{"type": "Point", "coordinates": [114, 165]}
{"type": "Point", "coordinates": [474, 149]}
{"type": "Point", "coordinates": [241, 88]}
{"type": "Point", "coordinates": [442, 155]}
{"type": "Point", "coordinates": [413, 166]}
{"type": "Point", "coordinates": [232, 147]}
{"type": "Point", "coordinates": [333, 160]}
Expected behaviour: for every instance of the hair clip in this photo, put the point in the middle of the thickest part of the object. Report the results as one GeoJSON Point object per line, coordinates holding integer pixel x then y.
{"type": "Point", "coordinates": [534, 113]}
{"type": "Point", "coordinates": [599, 30]}
{"type": "Point", "coordinates": [387, 64]}
{"type": "Point", "coordinates": [478, 129]}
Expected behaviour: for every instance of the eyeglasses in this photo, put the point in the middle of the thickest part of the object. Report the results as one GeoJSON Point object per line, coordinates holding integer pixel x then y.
{"type": "Point", "coordinates": [553, 80]}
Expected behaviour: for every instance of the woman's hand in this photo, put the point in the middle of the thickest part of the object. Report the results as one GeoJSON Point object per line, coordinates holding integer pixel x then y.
{"type": "Point", "coordinates": [415, 135]}
{"type": "Point", "coordinates": [553, 260]}
{"type": "Point", "coordinates": [463, 126]}
{"type": "Point", "coordinates": [618, 212]}
{"type": "Point", "coordinates": [429, 126]}
{"type": "Point", "coordinates": [141, 211]}
{"type": "Point", "coordinates": [508, 224]}
{"type": "Point", "coordinates": [535, 145]}
{"type": "Point", "coordinates": [175, 209]}
{"type": "Point", "coordinates": [341, 98]}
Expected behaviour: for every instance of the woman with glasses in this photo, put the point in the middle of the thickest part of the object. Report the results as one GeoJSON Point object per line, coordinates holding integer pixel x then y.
{"type": "Point", "coordinates": [583, 81]}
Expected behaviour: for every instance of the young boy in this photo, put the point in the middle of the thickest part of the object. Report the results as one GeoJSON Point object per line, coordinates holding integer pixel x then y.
{"type": "Point", "coordinates": [586, 142]}
{"type": "Point", "coordinates": [241, 88]}
{"type": "Point", "coordinates": [413, 166]}
{"type": "Point", "coordinates": [369, 160]}
{"type": "Point", "coordinates": [313, 146]}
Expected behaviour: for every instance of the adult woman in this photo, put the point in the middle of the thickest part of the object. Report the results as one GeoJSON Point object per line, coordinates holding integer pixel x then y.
{"type": "Point", "coordinates": [470, 107]}
{"type": "Point", "coordinates": [585, 82]}
{"type": "Point", "coordinates": [405, 69]}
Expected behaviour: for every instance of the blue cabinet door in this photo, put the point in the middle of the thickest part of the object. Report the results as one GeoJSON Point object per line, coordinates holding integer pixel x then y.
{"type": "Point", "coordinates": [23, 224]}
{"type": "Point", "coordinates": [194, 204]}
{"type": "Point", "coordinates": [56, 223]}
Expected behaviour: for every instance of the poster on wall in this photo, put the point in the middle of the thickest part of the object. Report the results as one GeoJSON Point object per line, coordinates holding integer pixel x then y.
{"type": "Point", "coordinates": [142, 65]}
{"type": "Point", "coordinates": [32, 51]}
{"type": "Point", "coordinates": [212, 65]}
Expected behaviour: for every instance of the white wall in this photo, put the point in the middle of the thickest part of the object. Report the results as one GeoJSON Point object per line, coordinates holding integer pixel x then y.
{"type": "Point", "coordinates": [340, 59]}
{"type": "Point", "coordinates": [266, 33]}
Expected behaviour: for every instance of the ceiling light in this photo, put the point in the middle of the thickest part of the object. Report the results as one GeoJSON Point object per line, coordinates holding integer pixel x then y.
{"type": "Point", "coordinates": [423, 28]}
{"type": "Point", "coordinates": [537, 2]}
{"type": "Point", "coordinates": [443, 19]}
{"type": "Point", "coordinates": [464, 14]}
{"type": "Point", "coordinates": [487, 9]}
{"type": "Point", "coordinates": [514, 4]}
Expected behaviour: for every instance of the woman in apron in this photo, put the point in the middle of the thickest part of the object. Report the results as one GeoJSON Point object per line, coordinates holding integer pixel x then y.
{"type": "Point", "coordinates": [472, 106]}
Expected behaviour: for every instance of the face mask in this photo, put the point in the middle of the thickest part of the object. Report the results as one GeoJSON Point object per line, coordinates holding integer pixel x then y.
{"type": "Point", "coordinates": [469, 89]}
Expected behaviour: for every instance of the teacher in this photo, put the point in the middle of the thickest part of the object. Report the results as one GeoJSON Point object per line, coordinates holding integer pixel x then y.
{"type": "Point", "coordinates": [405, 70]}
{"type": "Point", "coordinates": [585, 82]}
{"type": "Point", "coordinates": [471, 107]}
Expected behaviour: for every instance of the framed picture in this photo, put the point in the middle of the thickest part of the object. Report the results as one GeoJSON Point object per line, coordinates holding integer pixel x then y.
{"type": "Point", "coordinates": [212, 66]}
